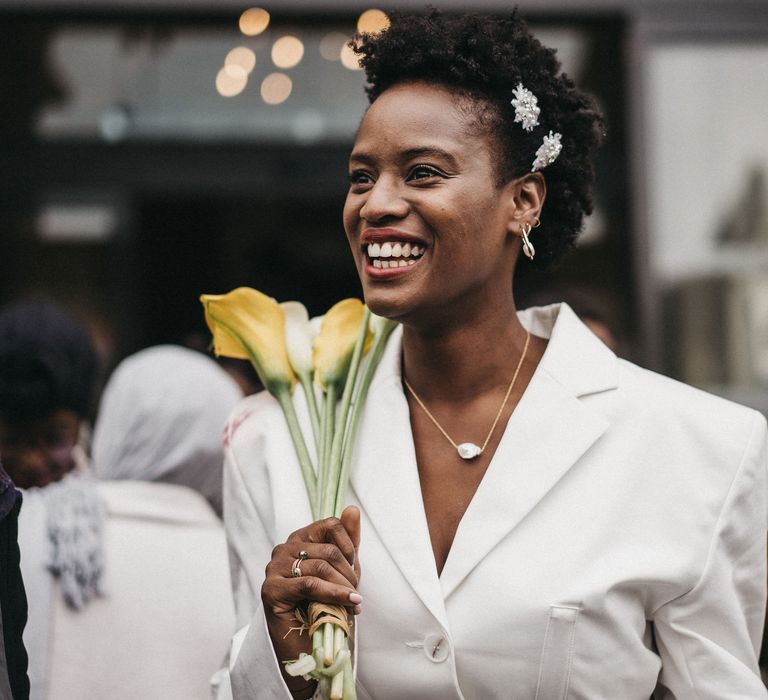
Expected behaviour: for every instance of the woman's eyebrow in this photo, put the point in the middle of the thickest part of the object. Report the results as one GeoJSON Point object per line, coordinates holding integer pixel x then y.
{"type": "Point", "coordinates": [409, 154]}
{"type": "Point", "coordinates": [430, 151]}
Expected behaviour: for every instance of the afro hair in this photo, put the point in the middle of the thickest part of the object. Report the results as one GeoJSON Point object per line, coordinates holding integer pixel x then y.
{"type": "Point", "coordinates": [47, 362]}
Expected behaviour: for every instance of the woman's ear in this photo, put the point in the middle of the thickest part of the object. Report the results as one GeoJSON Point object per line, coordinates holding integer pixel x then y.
{"type": "Point", "coordinates": [526, 199]}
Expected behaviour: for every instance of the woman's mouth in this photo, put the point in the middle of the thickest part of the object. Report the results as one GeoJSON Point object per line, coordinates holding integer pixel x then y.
{"type": "Point", "coordinates": [393, 254]}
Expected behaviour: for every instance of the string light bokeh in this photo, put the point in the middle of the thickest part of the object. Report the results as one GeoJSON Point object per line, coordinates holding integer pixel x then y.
{"type": "Point", "coordinates": [285, 53]}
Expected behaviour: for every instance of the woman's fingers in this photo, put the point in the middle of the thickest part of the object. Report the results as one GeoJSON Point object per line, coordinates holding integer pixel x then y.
{"type": "Point", "coordinates": [323, 561]}
{"type": "Point", "coordinates": [283, 595]}
{"type": "Point", "coordinates": [350, 519]}
{"type": "Point", "coordinates": [331, 531]}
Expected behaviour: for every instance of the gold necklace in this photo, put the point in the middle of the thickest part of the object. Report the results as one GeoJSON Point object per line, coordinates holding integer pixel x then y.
{"type": "Point", "coordinates": [469, 450]}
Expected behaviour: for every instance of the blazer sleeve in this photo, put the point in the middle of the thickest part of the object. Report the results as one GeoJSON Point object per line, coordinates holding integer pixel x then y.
{"type": "Point", "coordinates": [709, 638]}
{"type": "Point", "coordinates": [254, 670]}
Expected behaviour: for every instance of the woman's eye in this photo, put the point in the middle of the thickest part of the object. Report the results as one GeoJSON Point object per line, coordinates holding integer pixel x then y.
{"type": "Point", "coordinates": [421, 172]}
{"type": "Point", "coordinates": [359, 177]}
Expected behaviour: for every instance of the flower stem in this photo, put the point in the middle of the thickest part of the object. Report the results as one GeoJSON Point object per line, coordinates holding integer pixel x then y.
{"type": "Point", "coordinates": [328, 638]}
{"type": "Point", "coordinates": [331, 486]}
{"type": "Point", "coordinates": [337, 684]}
{"type": "Point", "coordinates": [305, 378]}
{"type": "Point", "coordinates": [324, 509]}
{"type": "Point", "coordinates": [305, 461]}
{"type": "Point", "coordinates": [379, 343]}
{"type": "Point", "coordinates": [349, 692]}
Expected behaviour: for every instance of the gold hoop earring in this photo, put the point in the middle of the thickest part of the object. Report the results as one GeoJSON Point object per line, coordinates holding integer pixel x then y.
{"type": "Point", "coordinates": [528, 249]}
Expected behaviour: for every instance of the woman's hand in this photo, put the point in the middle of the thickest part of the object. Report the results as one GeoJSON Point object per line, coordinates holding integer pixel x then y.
{"type": "Point", "coordinates": [329, 575]}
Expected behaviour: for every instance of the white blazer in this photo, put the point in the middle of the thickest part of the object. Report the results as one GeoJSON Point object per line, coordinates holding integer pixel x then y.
{"type": "Point", "coordinates": [615, 548]}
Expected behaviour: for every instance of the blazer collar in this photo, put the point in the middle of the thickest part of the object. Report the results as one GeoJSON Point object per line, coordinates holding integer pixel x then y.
{"type": "Point", "coordinates": [529, 461]}
{"type": "Point", "coordinates": [574, 357]}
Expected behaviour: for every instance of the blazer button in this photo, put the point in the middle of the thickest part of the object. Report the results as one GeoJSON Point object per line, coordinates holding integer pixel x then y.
{"type": "Point", "coordinates": [436, 648]}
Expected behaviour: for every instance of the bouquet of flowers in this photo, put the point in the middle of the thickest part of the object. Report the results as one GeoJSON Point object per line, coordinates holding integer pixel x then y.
{"type": "Point", "coordinates": [336, 355]}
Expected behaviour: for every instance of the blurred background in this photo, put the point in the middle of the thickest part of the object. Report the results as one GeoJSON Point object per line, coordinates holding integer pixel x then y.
{"type": "Point", "coordinates": [151, 150]}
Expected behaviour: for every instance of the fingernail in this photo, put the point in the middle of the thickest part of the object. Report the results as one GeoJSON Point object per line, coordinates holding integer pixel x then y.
{"type": "Point", "coordinates": [355, 598]}
{"type": "Point", "coordinates": [358, 609]}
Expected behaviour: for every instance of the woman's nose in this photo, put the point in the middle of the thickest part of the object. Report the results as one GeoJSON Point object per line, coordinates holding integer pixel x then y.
{"type": "Point", "coordinates": [384, 201]}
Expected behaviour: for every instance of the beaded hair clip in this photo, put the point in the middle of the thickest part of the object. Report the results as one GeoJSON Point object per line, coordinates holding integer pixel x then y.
{"type": "Point", "coordinates": [527, 112]}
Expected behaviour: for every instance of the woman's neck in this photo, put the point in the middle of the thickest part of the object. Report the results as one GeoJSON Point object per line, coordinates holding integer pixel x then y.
{"type": "Point", "coordinates": [462, 360]}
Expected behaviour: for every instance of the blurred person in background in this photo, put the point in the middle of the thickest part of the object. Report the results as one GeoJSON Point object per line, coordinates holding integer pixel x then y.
{"type": "Point", "coordinates": [592, 305]}
{"type": "Point", "coordinates": [162, 417]}
{"type": "Point", "coordinates": [165, 622]}
{"type": "Point", "coordinates": [47, 372]}
{"type": "Point", "coordinates": [14, 683]}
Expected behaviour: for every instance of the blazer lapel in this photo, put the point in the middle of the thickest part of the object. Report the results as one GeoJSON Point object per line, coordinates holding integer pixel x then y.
{"type": "Point", "coordinates": [546, 435]}
{"type": "Point", "coordinates": [386, 482]}
{"type": "Point", "coordinates": [549, 431]}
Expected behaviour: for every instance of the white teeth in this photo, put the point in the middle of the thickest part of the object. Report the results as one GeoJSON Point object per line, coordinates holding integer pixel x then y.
{"type": "Point", "coordinates": [386, 264]}
{"type": "Point", "coordinates": [394, 249]}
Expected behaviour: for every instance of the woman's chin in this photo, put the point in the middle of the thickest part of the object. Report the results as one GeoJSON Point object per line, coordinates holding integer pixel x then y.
{"type": "Point", "coordinates": [388, 306]}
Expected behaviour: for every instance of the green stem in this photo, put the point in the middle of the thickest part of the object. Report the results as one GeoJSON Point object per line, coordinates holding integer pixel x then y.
{"type": "Point", "coordinates": [331, 486]}
{"type": "Point", "coordinates": [314, 416]}
{"type": "Point", "coordinates": [337, 684]}
{"type": "Point", "coordinates": [317, 647]}
{"type": "Point", "coordinates": [327, 644]}
{"type": "Point", "coordinates": [329, 418]}
{"type": "Point", "coordinates": [374, 357]}
{"type": "Point", "coordinates": [307, 470]}
{"type": "Point", "coordinates": [338, 664]}
{"type": "Point", "coordinates": [349, 692]}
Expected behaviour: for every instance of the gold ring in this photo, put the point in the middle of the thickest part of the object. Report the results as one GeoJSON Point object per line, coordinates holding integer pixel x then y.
{"type": "Point", "coordinates": [295, 569]}
{"type": "Point", "coordinates": [303, 554]}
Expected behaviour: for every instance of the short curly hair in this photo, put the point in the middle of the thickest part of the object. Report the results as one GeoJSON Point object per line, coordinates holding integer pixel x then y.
{"type": "Point", "coordinates": [47, 362]}
{"type": "Point", "coordinates": [484, 58]}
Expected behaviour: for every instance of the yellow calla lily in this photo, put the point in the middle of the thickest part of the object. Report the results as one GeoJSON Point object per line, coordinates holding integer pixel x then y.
{"type": "Point", "coordinates": [247, 324]}
{"type": "Point", "coordinates": [334, 344]}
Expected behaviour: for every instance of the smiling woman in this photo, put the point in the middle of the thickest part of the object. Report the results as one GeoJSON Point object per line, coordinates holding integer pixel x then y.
{"type": "Point", "coordinates": [533, 517]}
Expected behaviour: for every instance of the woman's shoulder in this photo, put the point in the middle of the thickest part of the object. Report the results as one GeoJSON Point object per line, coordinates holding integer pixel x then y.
{"type": "Point", "coordinates": [665, 406]}
{"type": "Point", "coordinates": [251, 418]}
{"type": "Point", "coordinates": [156, 502]}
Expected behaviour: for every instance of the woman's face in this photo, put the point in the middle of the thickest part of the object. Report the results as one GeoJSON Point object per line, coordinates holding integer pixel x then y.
{"type": "Point", "coordinates": [39, 451]}
{"type": "Point", "coordinates": [428, 225]}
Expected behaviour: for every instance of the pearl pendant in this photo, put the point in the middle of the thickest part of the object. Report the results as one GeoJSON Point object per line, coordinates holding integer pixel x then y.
{"type": "Point", "coordinates": [468, 450]}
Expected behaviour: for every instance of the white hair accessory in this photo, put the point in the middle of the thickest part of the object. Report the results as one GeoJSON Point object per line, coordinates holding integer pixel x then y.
{"type": "Point", "coordinates": [548, 151]}
{"type": "Point", "coordinates": [526, 107]}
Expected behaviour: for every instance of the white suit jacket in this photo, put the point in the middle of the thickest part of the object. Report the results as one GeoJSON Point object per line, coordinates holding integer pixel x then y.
{"type": "Point", "coordinates": [615, 548]}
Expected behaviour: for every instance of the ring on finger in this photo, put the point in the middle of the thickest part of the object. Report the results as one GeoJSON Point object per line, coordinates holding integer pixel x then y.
{"type": "Point", "coordinates": [296, 568]}
{"type": "Point", "coordinates": [303, 554]}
